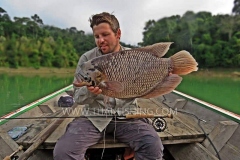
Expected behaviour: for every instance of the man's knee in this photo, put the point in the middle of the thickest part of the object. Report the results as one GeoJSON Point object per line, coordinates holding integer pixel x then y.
{"type": "Point", "coordinates": [60, 151]}
{"type": "Point", "coordinates": [66, 151]}
{"type": "Point", "coordinates": [150, 148]}
{"type": "Point", "coordinates": [153, 143]}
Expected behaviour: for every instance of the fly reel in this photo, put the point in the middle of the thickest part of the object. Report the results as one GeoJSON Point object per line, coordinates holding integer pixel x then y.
{"type": "Point", "coordinates": [159, 124]}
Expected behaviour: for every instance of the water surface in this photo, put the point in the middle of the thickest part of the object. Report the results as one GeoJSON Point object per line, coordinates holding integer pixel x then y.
{"type": "Point", "coordinates": [223, 92]}
{"type": "Point", "coordinates": [19, 90]}
{"type": "Point", "coordinates": [218, 87]}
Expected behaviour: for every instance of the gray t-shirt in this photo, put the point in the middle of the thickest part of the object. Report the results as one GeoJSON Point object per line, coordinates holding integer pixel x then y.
{"type": "Point", "coordinates": [94, 104]}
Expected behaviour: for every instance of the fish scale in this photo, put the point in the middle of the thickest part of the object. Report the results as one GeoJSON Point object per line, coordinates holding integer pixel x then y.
{"type": "Point", "coordinates": [125, 72]}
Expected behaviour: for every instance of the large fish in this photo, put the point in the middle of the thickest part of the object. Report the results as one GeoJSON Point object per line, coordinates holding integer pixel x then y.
{"type": "Point", "coordinates": [139, 72]}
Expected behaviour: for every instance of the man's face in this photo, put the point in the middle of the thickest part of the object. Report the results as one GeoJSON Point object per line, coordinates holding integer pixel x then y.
{"type": "Point", "coordinates": [106, 40]}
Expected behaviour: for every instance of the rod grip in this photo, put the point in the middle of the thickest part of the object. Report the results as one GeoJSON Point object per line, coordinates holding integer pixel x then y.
{"type": "Point", "coordinates": [148, 116]}
{"type": "Point", "coordinates": [139, 116]}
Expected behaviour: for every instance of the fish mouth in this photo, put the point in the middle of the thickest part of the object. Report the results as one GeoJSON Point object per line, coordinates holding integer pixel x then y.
{"type": "Point", "coordinates": [86, 83]}
{"type": "Point", "coordinates": [81, 84]}
{"type": "Point", "coordinates": [79, 77]}
{"type": "Point", "coordinates": [84, 80]}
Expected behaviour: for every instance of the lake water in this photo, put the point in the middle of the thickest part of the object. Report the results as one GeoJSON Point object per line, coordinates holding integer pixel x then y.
{"type": "Point", "coordinates": [19, 90]}
{"type": "Point", "coordinates": [220, 89]}
{"type": "Point", "coordinates": [223, 92]}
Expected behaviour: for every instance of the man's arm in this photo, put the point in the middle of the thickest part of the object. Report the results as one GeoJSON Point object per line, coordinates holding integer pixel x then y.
{"type": "Point", "coordinates": [82, 94]}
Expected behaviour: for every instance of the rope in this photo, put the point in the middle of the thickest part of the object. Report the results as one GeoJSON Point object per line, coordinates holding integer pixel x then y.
{"type": "Point", "coordinates": [104, 134]}
{"type": "Point", "coordinates": [115, 123]}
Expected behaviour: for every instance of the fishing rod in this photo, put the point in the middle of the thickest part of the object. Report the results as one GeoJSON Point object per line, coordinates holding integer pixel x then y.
{"type": "Point", "coordinates": [158, 122]}
{"type": "Point", "coordinates": [128, 116]}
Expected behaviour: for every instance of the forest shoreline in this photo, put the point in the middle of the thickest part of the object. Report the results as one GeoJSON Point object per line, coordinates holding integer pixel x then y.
{"type": "Point", "coordinates": [216, 72]}
{"type": "Point", "coordinates": [32, 70]}
{"type": "Point", "coordinates": [42, 72]}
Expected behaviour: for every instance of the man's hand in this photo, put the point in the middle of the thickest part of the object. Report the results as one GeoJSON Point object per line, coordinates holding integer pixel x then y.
{"type": "Point", "coordinates": [95, 90]}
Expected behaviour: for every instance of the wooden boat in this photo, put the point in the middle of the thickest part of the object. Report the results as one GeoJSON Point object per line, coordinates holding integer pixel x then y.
{"type": "Point", "coordinates": [197, 131]}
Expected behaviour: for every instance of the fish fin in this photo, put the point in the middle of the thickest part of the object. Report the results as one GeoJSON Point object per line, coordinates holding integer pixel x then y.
{"type": "Point", "coordinates": [112, 86]}
{"type": "Point", "coordinates": [183, 63]}
{"type": "Point", "coordinates": [167, 86]}
{"type": "Point", "coordinates": [157, 49]}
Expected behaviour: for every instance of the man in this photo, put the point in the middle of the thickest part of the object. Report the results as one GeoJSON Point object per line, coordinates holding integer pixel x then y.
{"type": "Point", "coordinates": [86, 131]}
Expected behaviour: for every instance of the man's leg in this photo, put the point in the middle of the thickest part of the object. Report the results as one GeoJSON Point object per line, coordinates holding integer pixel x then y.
{"type": "Point", "coordinates": [79, 135]}
{"type": "Point", "coordinates": [142, 138]}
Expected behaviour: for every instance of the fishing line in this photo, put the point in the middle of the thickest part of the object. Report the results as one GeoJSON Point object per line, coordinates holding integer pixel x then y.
{"type": "Point", "coordinates": [199, 124]}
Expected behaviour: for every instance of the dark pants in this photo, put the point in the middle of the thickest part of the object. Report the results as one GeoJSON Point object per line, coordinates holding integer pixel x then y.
{"type": "Point", "coordinates": [81, 134]}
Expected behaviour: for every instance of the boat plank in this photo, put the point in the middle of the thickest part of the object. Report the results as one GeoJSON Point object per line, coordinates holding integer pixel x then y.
{"type": "Point", "coordinates": [62, 127]}
{"type": "Point", "coordinates": [178, 130]}
{"type": "Point", "coordinates": [175, 127]}
{"type": "Point", "coordinates": [41, 154]}
{"type": "Point", "coordinates": [8, 140]}
{"type": "Point", "coordinates": [189, 121]}
{"type": "Point", "coordinates": [220, 135]}
{"type": "Point", "coordinates": [192, 123]}
{"type": "Point", "coordinates": [8, 145]}
{"type": "Point", "coordinates": [190, 152]}
{"type": "Point", "coordinates": [109, 145]}
{"type": "Point", "coordinates": [32, 132]}
{"type": "Point", "coordinates": [58, 132]}
{"type": "Point", "coordinates": [1, 157]}
{"type": "Point", "coordinates": [36, 126]}
{"type": "Point", "coordinates": [183, 141]}
{"type": "Point", "coordinates": [230, 151]}
{"type": "Point", "coordinates": [6, 150]}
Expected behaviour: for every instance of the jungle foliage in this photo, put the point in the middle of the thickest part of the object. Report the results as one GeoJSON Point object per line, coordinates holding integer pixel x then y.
{"type": "Point", "coordinates": [27, 42]}
{"type": "Point", "coordinates": [214, 40]}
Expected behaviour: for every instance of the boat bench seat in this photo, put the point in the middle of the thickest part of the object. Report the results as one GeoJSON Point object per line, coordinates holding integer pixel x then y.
{"type": "Point", "coordinates": [109, 142]}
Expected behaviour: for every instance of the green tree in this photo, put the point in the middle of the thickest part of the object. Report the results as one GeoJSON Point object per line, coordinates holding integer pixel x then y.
{"type": "Point", "coordinates": [2, 12]}
{"type": "Point", "coordinates": [37, 19]}
{"type": "Point", "coordinates": [3, 57]}
{"type": "Point", "coordinates": [21, 25]}
{"type": "Point", "coordinates": [212, 40]}
{"type": "Point", "coordinates": [228, 25]}
{"type": "Point", "coordinates": [11, 52]}
{"type": "Point", "coordinates": [236, 7]}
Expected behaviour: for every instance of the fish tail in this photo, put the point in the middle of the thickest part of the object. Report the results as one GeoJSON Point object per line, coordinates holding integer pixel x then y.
{"type": "Point", "coordinates": [183, 63]}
